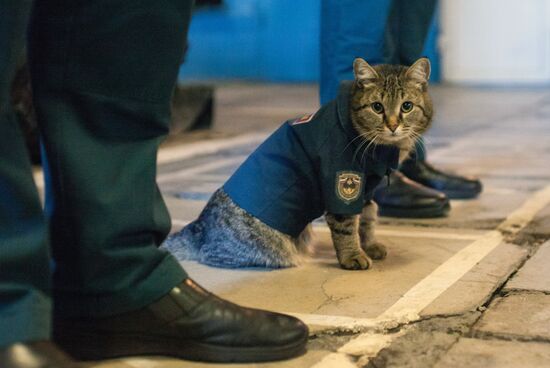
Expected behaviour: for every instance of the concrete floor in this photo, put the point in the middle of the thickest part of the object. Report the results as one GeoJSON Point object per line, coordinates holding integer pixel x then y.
{"type": "Point", "coordinates": [442, 297]}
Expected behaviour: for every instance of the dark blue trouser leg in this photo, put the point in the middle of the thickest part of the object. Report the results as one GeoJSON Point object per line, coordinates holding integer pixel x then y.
{"type": "Point", "coordinates": [25, 304]}
{"type": "Point", "coordinates": [349, 29]}
{"type": "Point", "coordinates": [407, 28]}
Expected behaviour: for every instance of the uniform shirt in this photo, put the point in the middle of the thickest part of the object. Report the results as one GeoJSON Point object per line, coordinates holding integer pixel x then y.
{"type": "Point", "coordinates": [308, 166]}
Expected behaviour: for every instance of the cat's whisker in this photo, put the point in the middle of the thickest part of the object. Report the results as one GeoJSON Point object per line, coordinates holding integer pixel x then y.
{"type": "Point", "coordinates": [415, 136]}
{"type": "Point", "coordinates": [353, 140]}
{"type": "Point", "coordinates": [416, 146]}
{"type": "Point", "coordinates": [360, 136]}
{"type": "Point", "coordinates": [361, 145]}
{"type": "Point", "coordinates": [368, 137]}
{"type": "Point", "coordinates": [373, 141]}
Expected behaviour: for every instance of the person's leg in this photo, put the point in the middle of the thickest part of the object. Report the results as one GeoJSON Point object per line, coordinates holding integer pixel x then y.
{"type": "Point", "coordinates": [25, 302]}
{"type": "Point", "coordinates": [103, 72]}
{"type": "Point", "coordinates": [24, 261]}
{"type": "Point", "coordinates": [102, 81]}
{"type": "Point", "coordinates": [349, 29]}
{"type": "Point", "coordinates": [408, 27]}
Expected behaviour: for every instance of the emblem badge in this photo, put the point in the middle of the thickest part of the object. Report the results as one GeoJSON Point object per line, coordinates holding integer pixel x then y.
{"type": "Point", "coordinates": [349, 185]}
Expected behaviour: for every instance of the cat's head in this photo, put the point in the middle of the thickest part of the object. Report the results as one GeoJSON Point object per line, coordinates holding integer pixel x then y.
{"type": "Point", "coordinates": [390, 104]}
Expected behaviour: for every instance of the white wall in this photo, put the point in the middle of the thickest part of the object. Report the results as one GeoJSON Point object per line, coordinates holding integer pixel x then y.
{"type": "Point", "coordinates": [495, 41]}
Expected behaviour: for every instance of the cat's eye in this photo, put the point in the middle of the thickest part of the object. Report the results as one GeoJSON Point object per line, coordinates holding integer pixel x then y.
{"type": "Point", "coordinates": [406, 106]}
{"type": "Point", "coordinates": [377, 107]}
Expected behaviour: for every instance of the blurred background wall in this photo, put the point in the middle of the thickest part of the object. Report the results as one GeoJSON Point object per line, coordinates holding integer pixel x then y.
{"type": "Point", "coordinates": [272, 40]}
{"type": "Point", "coordinates": [471, 41]}
{"type": "Point", "coordinates": [495, 41]}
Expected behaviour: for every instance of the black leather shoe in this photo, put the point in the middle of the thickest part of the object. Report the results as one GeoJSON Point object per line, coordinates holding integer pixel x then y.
{"type": "Point", "coordinates": [454, 186]}
{"type": "Point", "coordinates": [39, 354]}
{"type": "Point", "coordinates": [406, 198]}
{"type": "Point", "coordinates": [188, 323]}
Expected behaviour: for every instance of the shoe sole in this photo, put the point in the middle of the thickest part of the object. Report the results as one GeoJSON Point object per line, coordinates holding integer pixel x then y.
{"type": "Point", "coordinates": [99, 347]}
{"type": "Point", "coordinates": [428, 212]}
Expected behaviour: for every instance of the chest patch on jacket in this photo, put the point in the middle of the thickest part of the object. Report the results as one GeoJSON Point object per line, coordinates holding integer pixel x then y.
{"type": "Point", "coordinates": [349, 185]}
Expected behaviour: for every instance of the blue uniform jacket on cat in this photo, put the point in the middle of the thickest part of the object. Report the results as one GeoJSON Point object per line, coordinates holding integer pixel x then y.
{"type": "Point", "coordinates": [308, 166]}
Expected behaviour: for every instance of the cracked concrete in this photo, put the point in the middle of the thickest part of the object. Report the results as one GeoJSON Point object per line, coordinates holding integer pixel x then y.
{"type": "Point", "coordinates": [523, 316]}
{"type": "Point", "coordinates": [320, 286]}
{"type": "Point", "coordinates": [330, 299]}
{"type": "Point", "coordinates": [540, 226]}
{"type": "Point", "coordinates": [535, 275]}
{"type": "Point", "coordinates": [477, 286]}
{"type": "Point", "coordinates": [514, 329]}
{"type": "Point", "coordinates": [474, 353]}
{"type": "Point", "coordinates": [329, 342]}
{"type": "Point", "coordinates": [424, 343]}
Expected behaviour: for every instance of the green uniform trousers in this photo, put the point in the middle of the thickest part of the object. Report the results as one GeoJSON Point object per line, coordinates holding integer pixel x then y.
{"type": "Point", "coordinates": [103, 72]}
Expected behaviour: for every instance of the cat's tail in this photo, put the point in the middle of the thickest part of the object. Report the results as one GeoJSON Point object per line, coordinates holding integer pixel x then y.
{"type": "Point", "coordinates": [186, 244]}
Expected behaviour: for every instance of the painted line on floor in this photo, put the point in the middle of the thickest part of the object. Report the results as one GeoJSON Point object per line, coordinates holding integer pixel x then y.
{"type": "Point", "coordinates": [523, 215]}
{"type": "Point", "coordinates": [342, 323]}
{"type": "Point", "coordinates": [408, 308]}
{"type": "Point", "coordinates": [360, 348]}
{"type": "Point", "coordinates": [414, 234]}
{"type": "Point", "coordinates": [190, 171]}
{"type": "Point", "coordinates": [179, 223]}
{"type": "Point", "coordinates": [207, 147]}
{"type": "Point", "coordinates": [410, 305]}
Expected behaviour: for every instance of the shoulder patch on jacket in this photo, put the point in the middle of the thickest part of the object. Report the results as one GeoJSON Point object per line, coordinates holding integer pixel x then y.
{"type": "Point", "coordinates": [304, 119]}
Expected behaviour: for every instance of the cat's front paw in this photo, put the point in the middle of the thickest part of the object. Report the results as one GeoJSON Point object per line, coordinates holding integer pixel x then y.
{"type": "Point", "coordinates": [355, 261]}
{"type": "Point", "coordinates": [376, 250]}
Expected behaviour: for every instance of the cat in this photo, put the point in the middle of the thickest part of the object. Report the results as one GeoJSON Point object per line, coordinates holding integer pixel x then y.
{"type": "Point", "coordinates": [324, 163]}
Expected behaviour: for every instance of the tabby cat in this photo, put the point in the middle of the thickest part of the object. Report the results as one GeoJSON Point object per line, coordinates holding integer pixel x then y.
{"type": "Point", "coordinates": [324, 163]}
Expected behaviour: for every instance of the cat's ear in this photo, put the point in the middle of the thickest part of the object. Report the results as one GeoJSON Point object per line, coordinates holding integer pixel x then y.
{"type": "Point", "coordinates": [419, 71]}
{"type": "Point", "coordinates": [364, 73]}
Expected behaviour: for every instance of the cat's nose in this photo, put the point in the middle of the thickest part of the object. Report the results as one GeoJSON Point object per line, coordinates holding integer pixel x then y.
{"type": "Point", "coordinates": [392, 124]}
